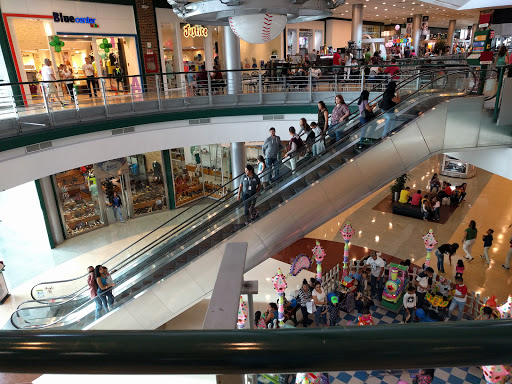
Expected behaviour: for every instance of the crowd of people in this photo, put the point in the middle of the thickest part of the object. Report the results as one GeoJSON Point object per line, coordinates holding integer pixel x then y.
{"type": "Point", "coordinates": [441, 193]}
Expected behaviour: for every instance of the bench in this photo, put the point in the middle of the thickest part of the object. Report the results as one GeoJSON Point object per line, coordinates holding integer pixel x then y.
{"type": "Point", "coordinates": [407, 210]}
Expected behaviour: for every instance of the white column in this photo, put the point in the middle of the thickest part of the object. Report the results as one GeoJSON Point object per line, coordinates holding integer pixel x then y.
{"type": "Point", "coordinates": [238, 161]}
{"type": "Point", "coordinates": [416, 33]}
{"type": "Point", "coordinates": [357, 27]}
{"type": "Point", "coordinates": [232, 59]}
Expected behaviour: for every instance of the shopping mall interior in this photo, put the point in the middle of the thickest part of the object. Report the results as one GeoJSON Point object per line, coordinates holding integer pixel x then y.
{"type": "Point", "coordinates": [151, 219]}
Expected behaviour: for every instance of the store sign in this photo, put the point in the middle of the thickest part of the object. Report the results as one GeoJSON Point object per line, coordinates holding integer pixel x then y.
{"type": "Point", "coordinates": [59, 18]}
{"type": "Point", "coordinates": [195, 31]}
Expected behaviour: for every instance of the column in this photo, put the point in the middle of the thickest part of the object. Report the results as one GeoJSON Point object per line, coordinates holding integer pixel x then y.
{"type": "Point", "coordinates": [473, 30]}
{"type": "Point", "coordinates": [50, 211]}
{"type": "Point", "coordinates": [416, 34]}
{"type": "Point", "coordinates": [238, 161]}
{"type": "Point", "coordinates": [146, 21]}
{"type": "Point", "coordinates": [232, 60]}
{"type": "Point", "coordinates": [357, 28]}
{"type": "Point", "coordinates": [451, 33]}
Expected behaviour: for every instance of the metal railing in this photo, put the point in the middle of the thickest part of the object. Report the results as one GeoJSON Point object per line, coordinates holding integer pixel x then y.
{"type": "Point", "coordinates": [454, 344]}
{"type": "Point", "coordinates": [28, 107]}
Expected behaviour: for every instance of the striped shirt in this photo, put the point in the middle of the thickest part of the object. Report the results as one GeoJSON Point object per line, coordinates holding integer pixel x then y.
{"type": "Point", "coordinates": [304, 297]}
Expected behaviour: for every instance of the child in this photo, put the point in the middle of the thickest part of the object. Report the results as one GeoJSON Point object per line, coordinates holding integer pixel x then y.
{"type": "Point", "coordinates": [437, 207]}
{"type": "Point", "coordinates": [365, 318]}
{"type": "Point", "coordinates": [353, 274]}
{"type": "Point", "coordinates": [459, 269]}
{"type": "Point", "coordinates": [424, 376]}
{"type": "Point", "coordinates": [259, 321]}
{"type": "Point", "coordinates": [443, 286]}
{"type": "Point", "coordinates": [487, 244]}
{"type": "Point", "coordinates": [409, 304]}
{"type": "Point", "coordinates": [334, 314]}
{"type": "Point", "coordinates": [364, 286]}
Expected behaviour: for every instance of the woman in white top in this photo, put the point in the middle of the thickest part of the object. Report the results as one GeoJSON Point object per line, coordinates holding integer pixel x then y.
{"type": "Point", "coordinates": [66, 73]}
{"type": "Point", "coordinates": [319, 145]}
{"type": "Point", "coordinates": [50, 88]}
{"type": "Point", "coordinates": [320, 299]}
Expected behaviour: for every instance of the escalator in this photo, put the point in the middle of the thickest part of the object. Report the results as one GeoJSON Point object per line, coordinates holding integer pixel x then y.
{"type": "Point", "coordinates": [293, 205]}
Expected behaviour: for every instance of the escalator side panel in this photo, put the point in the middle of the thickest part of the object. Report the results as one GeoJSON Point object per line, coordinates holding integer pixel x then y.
{"type": "Point", "coordinates": [410, 145]}
{"type": "Point", "coordinates": [466, 114]}
{"type": "Point", "coordinates": [432, 126]}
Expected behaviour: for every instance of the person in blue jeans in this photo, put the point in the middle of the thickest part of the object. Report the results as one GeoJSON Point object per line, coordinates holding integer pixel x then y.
{"type": "Point", "coordinates": [339, 116]}
{"type": "Point", "coordinates": [376, 264]}
{"type": "Point", "coordinates": [116, 203]}
{"type": "Point", "coordinates": [459, 299]}
{"type": "Point", "coordinates": [320, 299]}
{"type": "Point", "coordinates": [104, 290]}
{"type": "Point", "coordinates": [390, 99]}
{"type": "Point", "coordinates": [271, 148]}
{"type": "Point", "coordinates": [445, 250]}
{"type": "Point", "coordinates": [93, 291]}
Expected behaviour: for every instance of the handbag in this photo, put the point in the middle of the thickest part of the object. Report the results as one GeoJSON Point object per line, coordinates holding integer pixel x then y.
{"type": "Point", "coordinates": [367, 115]}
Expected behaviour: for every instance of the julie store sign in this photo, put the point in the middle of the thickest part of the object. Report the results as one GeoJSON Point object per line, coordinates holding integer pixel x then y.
{"type": "Point", "coordinates": [59, 18]}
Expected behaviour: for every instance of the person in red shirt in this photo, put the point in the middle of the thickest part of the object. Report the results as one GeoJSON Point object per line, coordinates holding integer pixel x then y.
{"type": "Point", "coordinates": [336, 60]}
{"type": "Point", "coordinates": [416, 198]}
{"type": "Point", "coordinates": [459, 298]}
{"type": "Point", "coordinates": [393, 70]}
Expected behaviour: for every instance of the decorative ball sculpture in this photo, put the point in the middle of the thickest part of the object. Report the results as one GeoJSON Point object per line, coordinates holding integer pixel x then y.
{"type": "Point", "coordinates": [280, 285]}
{"type": "Point", "coordinates": [258, 28]}
{"type": "Point", "coordinates": [319, 254]}
{"type": "Point", "coordinates": [430, 242]}
{"type": "Point", "coordinates": [347, 232]}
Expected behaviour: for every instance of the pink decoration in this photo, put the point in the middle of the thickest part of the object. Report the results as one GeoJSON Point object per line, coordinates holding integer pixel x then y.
{"type": "Point", "coordinates": [318, 252]}
{"type": "Point", "coordinates": [279, 282]}
{"type": "Point", "coordinates": [347, 232]}
{"type": "Point", "coordinates": [242, 313]}
{"type": "Point", "coordinates": [494, 373]}
{"type": "Point", "coordinates": [429, 240]}
{"type": "Point", "coordinates": [301, 262]}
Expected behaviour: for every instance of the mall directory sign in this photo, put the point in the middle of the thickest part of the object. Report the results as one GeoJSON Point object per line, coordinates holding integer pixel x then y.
{"type": "Point", "coordinates": [481, 44]}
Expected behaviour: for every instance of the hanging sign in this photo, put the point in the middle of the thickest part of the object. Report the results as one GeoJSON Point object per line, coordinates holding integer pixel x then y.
{"type": "Point", "coordinates": [408, 27]}
{"type": "Point", "coordinates": [195, 31]}
{"type": "Point", "coordinates": [424, 25]}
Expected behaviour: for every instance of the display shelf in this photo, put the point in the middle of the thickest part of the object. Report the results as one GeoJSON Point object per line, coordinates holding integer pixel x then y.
{"type": "Point", "coordinates": [73, 222]}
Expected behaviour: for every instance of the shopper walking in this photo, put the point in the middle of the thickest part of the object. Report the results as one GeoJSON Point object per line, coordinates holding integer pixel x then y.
{"type": "Point", "coordinates": [66, 73]}
{"type": "Point", "coordinates": [447, 250]}
{"type": "Point", "coordinates": [249, 186]}
{"type": "Point", "coordinates": [508, 258]}
{"type": "Point", "coordinates": [390, 98]}
{"type": "Point", "coordinates": [469, 239]}
{"type": "Point", "coordinates": [116, 203]}
{"type": "Point", "coordinates": [88, 69]}
{"type": "Point", "coordinates": [487, 244]}
{"type": "Point", "coordinates": [50, 88]}
{"type": "Point", "coordinates": [93, 291]}
{"type": "Point", "coordinates": [271, 148]}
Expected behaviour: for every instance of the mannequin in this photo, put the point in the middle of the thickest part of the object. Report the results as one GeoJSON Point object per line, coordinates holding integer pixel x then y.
{"type": "Point", "coordinates": [157, 171]}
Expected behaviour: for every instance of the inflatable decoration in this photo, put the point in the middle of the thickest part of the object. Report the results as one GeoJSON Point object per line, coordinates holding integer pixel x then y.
{"type": "Point", "coordinates": [394, 287]}
{"type": "Point", "coordinates": [301, 262]}
{"type": "Point", "coordinates": [309, 378]}
{"type": "Point", "coordinates": [365, 320]}
{"type": "Point", "coordinates": [319, 254]}
{"type": "Point", "coordinates": [242, 314]}
{"type": "Point", "coordinates": [430, 242]}
{"type": "Point", "coordinates": [494, 373]}
{"type": "Point", "coordinates": [280, 285]}
{"type": "Point", "coordinates": [347, 231]}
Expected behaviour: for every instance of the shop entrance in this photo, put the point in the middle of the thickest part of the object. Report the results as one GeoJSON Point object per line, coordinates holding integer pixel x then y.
{"type": "Point", "coordinates": [112, 176]}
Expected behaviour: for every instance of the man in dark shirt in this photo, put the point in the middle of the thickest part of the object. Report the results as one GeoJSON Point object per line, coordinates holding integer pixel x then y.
{"type": "Point", "coordinates": [116, 203]}
{"type": "Point", "coordinates": [249, 185]}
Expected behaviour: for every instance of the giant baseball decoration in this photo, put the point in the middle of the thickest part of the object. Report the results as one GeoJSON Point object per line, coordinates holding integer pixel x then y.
{"type": "Point", "coordinates": [259, 28]}
{"type": "Point", "coordinates": [280, 286]}
{"type": "Point", "coordinates": [347, 233]}
{"type": "Point", "coordinates": [319, 254]}
{"type": "Point", "coordinates": [430, 242]}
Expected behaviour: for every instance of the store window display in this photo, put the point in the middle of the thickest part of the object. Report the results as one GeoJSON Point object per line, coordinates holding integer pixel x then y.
{"type": "Point", "coordinates": [77, 193]}
{"type": "Point", "coordinates": [147, 183]}
{"type": "Point", "coordinates": [187, 175]}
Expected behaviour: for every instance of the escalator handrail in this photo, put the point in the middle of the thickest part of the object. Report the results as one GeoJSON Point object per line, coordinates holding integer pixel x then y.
{"type": "Point", "coordinates": [304, 164]}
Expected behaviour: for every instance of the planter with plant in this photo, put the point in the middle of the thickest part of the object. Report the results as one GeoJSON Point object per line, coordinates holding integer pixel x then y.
{"type": "Point", "coordinates": [397, 187]}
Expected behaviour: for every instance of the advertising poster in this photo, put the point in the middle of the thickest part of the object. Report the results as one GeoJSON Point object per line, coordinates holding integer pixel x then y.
{"type": "Point", "coordinates": [424, 25]}
{"type": "Point", "coordinates": [408, 27]}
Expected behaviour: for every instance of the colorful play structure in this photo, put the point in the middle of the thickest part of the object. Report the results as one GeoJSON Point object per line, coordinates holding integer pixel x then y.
{"type": "Point", "coordinates": [395, 286]}
{"type": "Point", "coordinates": [347, 232]}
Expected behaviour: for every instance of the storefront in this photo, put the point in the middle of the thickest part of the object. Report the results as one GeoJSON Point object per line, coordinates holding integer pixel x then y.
{"type": "Point", "coordinates": [69, 35]}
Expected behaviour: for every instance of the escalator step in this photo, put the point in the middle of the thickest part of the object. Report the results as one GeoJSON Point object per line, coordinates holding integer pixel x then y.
{"type": "Point", "coordinates": [311, 180]}
{"type": "Point", "coordinates": [333, 166]}
{"type": "Point", "coordinates": [322, 173]}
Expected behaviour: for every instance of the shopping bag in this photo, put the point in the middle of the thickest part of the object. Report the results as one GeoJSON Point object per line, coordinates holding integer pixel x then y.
{"type": "Point", "coordinates": [311, 307]}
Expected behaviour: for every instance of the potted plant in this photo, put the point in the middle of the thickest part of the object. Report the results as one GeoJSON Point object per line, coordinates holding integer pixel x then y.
{"type": "Point", "coordinates": [397, 187]}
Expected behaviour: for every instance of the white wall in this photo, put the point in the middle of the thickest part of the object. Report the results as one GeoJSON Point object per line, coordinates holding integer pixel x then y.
{"type": "Point", "coordinates": [17, 167]}
{"type": "Point", "coordinates": [338, 33]}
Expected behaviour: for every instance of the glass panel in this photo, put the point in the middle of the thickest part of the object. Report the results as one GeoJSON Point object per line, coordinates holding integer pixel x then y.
{"type": "Point", "coordinates": [77, 192]}
{"type": "Point", "coordinates": [147, 183]}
